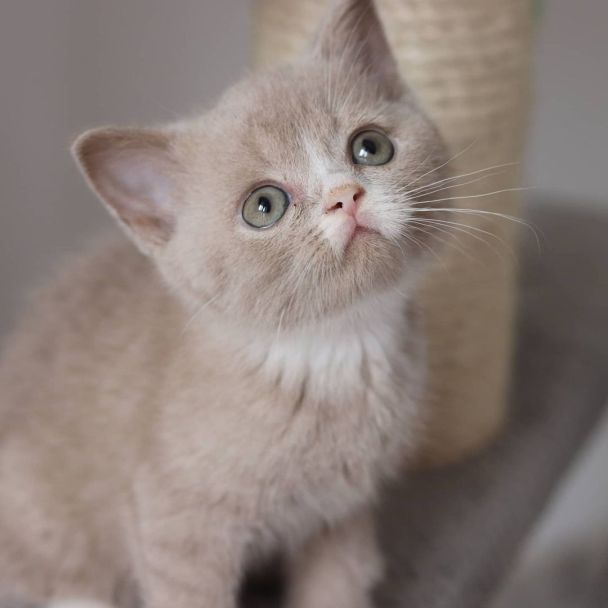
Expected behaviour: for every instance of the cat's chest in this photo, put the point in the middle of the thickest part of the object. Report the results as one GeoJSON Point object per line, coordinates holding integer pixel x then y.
{"type": "Point", "coordinates": [334, 364]}
{"type": "Point", "coordinates": [318, 418]}
{"type": "Point", "coordinates": [347, 411]}
{"type": "Point", "coordinates": [347, 441]}
{"type": "Point", "coordinates": [330, 458]}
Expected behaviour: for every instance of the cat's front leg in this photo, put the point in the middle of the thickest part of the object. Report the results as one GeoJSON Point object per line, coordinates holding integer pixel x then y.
{"type": "Point", "coordinates": [189, 568]}
{"type": "Point", "coordinates": [338, 568]}
{"type": "Point", "coordinates": [187, 555]}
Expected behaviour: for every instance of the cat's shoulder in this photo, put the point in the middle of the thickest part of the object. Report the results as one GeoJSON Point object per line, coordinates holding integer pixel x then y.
{"type": "Point", "coordinates": [109, 268]}
{"type": "Point", "coordinates": [106, 284]}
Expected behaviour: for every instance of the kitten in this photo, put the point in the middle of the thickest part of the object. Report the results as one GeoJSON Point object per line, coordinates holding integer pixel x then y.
{"type": "Point", "coordinates": [245, 385]}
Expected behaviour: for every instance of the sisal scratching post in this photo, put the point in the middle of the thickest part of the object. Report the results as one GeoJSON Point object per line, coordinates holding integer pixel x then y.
{"type": "Point", "coordinates": [467, 61]}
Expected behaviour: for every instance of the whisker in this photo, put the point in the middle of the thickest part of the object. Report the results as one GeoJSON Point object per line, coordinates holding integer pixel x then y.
{"type": "Point", "coordinates": [455, 177]}
{"type": "Point", "coordinates": [444, 242]}
{"type": "Point", "coordinates": [462, 227]}
{"type": "Point", "coordinates": [470, 231]}
{"type": "Point", "coordinates": [198, 312]}
{"type": "Point", "coordinates": [422, 244]}
{"type": "Point", "coordinates": [434, 190]}
{"type": "Point", "coordinates": [466, 149]}
{"type": "Point", "coordinates": [278, 333]}
{"type": "Point", "coordinates": [483, 212]}
{"type": "Point", "coordinates": [482, 195]}
{"type": "Point", "coordinates": [453, 242]}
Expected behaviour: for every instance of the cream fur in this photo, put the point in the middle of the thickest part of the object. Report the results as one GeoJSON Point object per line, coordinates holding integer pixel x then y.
{"type": "Point", "coordinates": [174, 415]}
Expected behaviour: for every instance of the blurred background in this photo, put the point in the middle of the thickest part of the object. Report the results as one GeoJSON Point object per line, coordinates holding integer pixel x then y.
{"type": "Point", "coordinates": [66, 65]}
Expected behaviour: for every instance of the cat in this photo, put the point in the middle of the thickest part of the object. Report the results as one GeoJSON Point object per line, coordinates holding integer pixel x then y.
{"type": "Point", "coordinates": [243, 379]}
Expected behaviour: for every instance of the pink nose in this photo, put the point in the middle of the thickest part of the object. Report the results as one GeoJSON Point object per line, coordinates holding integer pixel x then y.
{"type": "Point", "coordinates": [343, 197]}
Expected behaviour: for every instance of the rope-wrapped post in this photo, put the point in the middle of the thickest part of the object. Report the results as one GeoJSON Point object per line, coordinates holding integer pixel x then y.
{"type": "Point", "coordinates": [467, 61]}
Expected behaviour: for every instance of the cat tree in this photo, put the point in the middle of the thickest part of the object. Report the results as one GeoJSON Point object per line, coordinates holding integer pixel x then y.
{"type": "Point", "coordinates": [467, 60]}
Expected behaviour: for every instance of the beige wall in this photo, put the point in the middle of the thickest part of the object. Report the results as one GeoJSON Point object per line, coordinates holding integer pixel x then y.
{"type": "Point", "coordinates": [568, 151]}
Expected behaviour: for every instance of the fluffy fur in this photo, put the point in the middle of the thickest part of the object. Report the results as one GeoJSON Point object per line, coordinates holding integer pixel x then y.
{"type": "Point", "coordinates": [174, 414]}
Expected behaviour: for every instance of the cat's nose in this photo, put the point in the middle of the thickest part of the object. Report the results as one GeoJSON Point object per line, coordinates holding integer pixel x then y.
{"type": "Point", "coordinates": [345, 197]}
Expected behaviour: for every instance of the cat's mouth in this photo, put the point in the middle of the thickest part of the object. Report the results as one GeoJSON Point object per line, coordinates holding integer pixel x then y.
{"type": "Point", "coordinates": [350, 230]}
{"type": "Point", "coordinates": [361, 231]}
{"type": "Point", "coordinates": [363, 241]}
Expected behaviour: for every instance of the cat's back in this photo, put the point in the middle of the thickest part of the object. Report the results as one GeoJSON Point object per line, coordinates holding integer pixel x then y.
{"type": "Point", "coordinates": [94, 318]}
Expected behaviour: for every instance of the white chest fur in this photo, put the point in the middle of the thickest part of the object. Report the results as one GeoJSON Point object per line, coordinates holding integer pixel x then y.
{"type": "Point", "coordinates": [351, 390]}
{"type": "Point", "coordinates": [341, 358]}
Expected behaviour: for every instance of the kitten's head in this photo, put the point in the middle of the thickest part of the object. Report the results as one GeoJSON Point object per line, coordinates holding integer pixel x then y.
{"type": "Point", "coordinates": [288, 200]}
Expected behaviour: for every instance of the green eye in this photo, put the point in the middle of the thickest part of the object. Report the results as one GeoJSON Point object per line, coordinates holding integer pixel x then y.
{"type": "Point", "coordinates": [372, 148]}
{"type": "Point", "coordinates": [265, 206]}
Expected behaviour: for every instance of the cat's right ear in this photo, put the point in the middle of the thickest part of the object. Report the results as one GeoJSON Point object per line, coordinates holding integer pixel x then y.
{"type": "Point", "coordinates": [353, 35]}
{"type": "Point", "coordinates": [134, 174]}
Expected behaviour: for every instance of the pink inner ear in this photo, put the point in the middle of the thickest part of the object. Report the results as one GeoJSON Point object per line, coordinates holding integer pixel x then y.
{"type": "Point", "coordinates": [139, 183]}
{"type": "Point", "coordinates": [133, 173]}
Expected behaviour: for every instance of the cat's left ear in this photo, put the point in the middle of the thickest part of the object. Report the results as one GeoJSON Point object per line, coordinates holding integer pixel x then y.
{"type": "Point", "coordinates": [353, 34]}
{"type": "Point", "coordinates": [134, 173]}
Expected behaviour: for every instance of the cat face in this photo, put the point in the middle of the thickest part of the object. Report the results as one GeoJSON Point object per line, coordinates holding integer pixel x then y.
{"type": "Point", "coordinates": [288, 201]}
